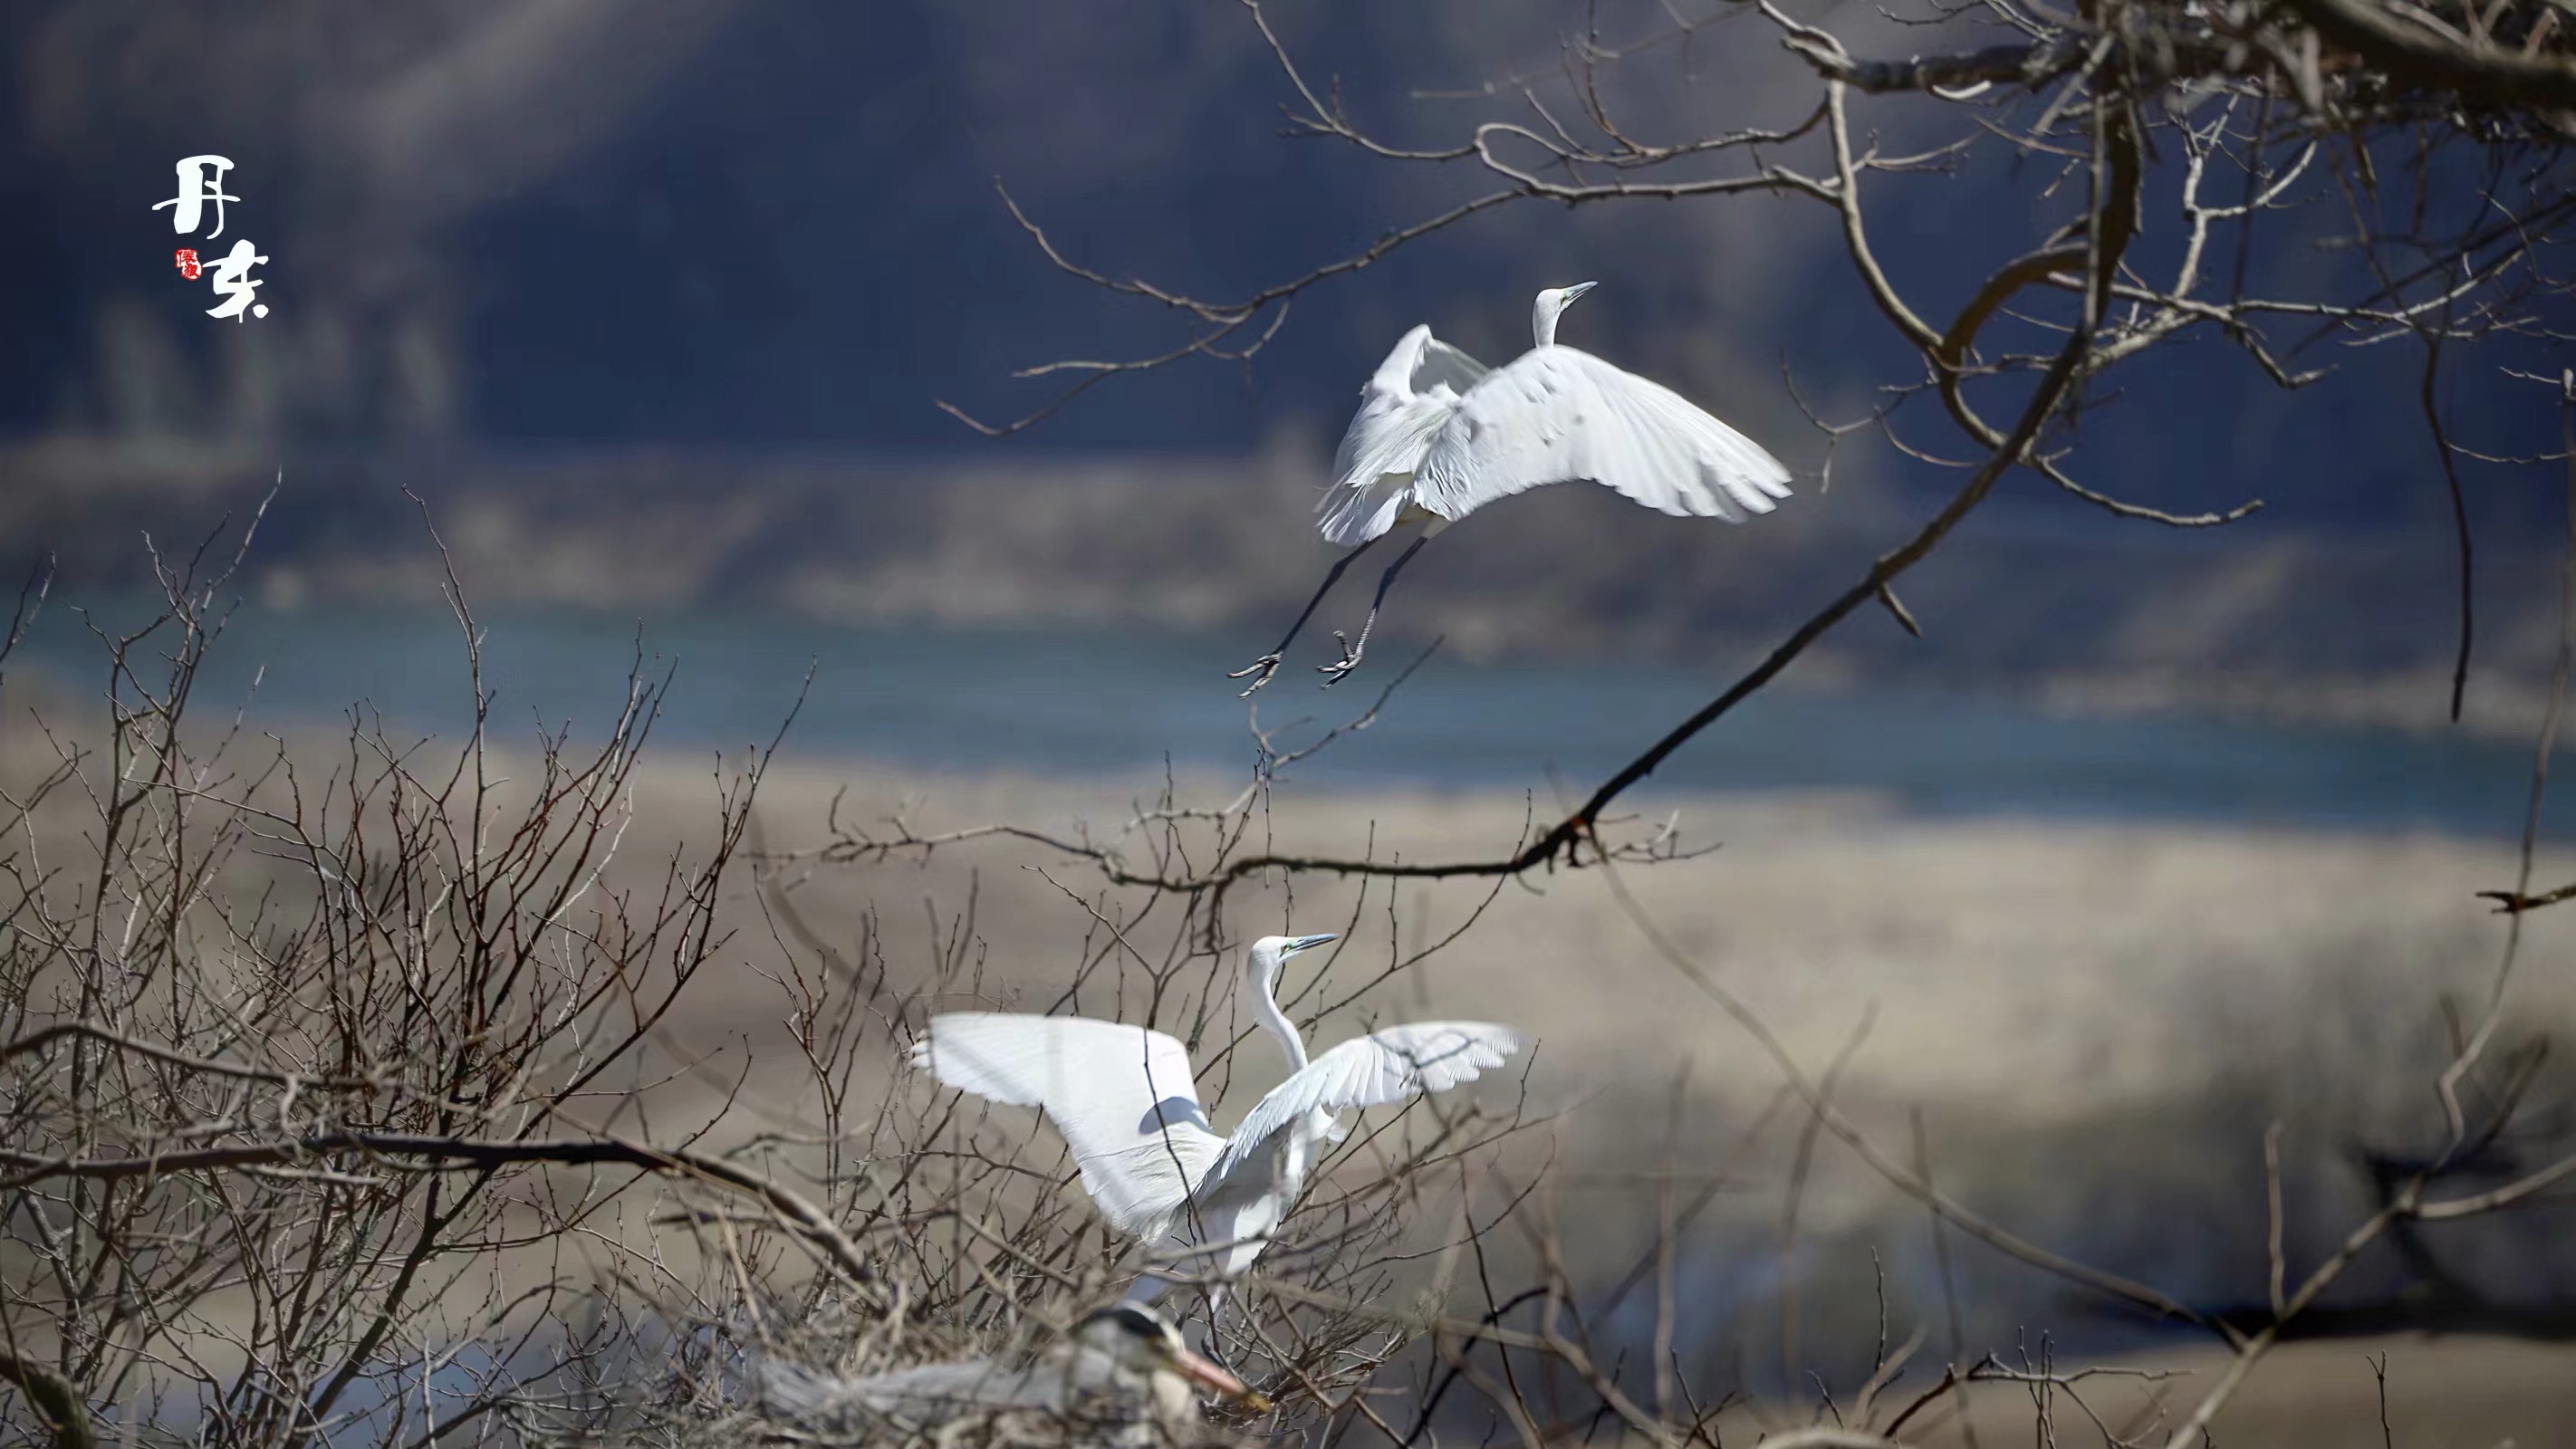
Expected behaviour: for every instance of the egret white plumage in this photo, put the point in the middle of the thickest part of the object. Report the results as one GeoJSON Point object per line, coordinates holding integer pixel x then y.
{"type": "Point", "coordinates": [1120, 1375]}
{"type": "Point", "coordinates": [1123, 1099]}
{"type": "Point", "coordinates": [1439, 435]}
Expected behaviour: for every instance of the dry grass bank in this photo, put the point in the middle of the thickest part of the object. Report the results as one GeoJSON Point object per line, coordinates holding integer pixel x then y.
{"type": "Point", "coordinates": [2094, 1024]}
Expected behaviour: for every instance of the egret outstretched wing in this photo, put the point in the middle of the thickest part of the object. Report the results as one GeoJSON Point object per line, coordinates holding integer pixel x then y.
{"type": "Point", "coordinates": [1559, 415]}
{"type": "Point", "coordinates": [1402, 407]}
{"type": "Point", "coordinates": [1369, 1071]}
{"type": "Point", "coordinates": [1120, 1095]}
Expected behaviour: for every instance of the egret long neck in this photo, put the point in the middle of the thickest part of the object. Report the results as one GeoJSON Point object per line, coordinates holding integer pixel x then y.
{"type": "Point", "coordinates": [1543, 317]}
{"type": "Point", "coordinates": [1265, 1005]}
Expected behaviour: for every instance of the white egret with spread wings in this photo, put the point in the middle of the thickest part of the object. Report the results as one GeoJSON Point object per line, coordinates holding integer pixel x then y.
{"type": "Point", "coordinates": [1124, 1100]}
{"type": "Point", "coordinates": [1439, 435]}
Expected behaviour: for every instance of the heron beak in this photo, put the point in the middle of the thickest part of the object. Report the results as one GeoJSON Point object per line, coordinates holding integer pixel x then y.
{"type": "Point", "coordinates": [1309, 943]}
{"type": "Point", "coordinates": [1216, 1380]}
{"type": "Point", "coordinates": [1578, 289]}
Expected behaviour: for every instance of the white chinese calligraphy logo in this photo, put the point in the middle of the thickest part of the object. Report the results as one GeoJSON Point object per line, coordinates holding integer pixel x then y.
{"type": "Point", "coordinates": [201, 179]}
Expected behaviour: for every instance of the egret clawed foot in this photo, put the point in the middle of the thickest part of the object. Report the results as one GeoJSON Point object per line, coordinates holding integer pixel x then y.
{"type": "Point", "coordinates": [1350, 658]}
{"type": "Point", "coordinates": [1264, 667]}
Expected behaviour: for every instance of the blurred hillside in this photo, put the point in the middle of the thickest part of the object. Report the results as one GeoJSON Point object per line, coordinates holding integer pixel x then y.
{"type": "Point", "coordinates": [729, 223]}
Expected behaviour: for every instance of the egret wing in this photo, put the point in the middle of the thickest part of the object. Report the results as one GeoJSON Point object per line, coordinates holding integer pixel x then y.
{"type": "Point", "coordinates": [1402, 407]}
{"type": "Point", "coordinates": [1121, 1096]}
{"type": "Point", "coordinates": [1559, 415]}
{"type": "Point", "coordinates": [1369, 1071]}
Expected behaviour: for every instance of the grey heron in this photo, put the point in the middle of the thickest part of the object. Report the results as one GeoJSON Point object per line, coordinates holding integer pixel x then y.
{"type": "Point", "coordinates": [1121, 1375]}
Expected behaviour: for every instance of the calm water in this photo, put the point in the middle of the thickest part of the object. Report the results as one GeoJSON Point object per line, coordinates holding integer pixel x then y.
{"type": "Point", "coordinates": [1105, 701]}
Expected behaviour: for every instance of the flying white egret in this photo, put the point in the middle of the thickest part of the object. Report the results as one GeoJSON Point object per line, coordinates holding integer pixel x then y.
{"type": "Point", "coordinates": [1439, 435]}
{"type": "Point", "coordinates": [1123, 1099]}
{"type": "Point", "coordinates": [1121, 1375]}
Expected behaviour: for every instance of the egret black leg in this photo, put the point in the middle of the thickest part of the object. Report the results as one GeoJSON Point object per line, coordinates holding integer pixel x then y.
{"type": "Point", "coordinates": [1268, 664]}
{"type": "Point", "coordinates": [1351, 652]}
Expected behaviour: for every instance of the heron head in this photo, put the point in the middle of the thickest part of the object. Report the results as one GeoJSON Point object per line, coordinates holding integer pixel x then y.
{"type": "Point", "coordinates": [1272, 952]}
{"type": "Point", "coordinates": [1551, 304]}
{"type": "Point", "coordinates": [1141, 1339]}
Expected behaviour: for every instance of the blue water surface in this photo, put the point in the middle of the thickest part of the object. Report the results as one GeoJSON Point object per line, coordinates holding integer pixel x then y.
{"type": "Point", "coordinates": [1118, 702]}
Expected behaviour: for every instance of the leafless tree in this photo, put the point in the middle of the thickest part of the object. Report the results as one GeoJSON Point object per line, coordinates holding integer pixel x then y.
{"type": "Point", "coordinates": [337, 1092]}
{"type": "Point", "coordinates": [2416, 154]}
{"type": "Point", "coordinates": [330, 1082]}
{"type": "Point", "coordinates": [2165, 148]}
{"type": "Point", "coordinates": [291, 1041]}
